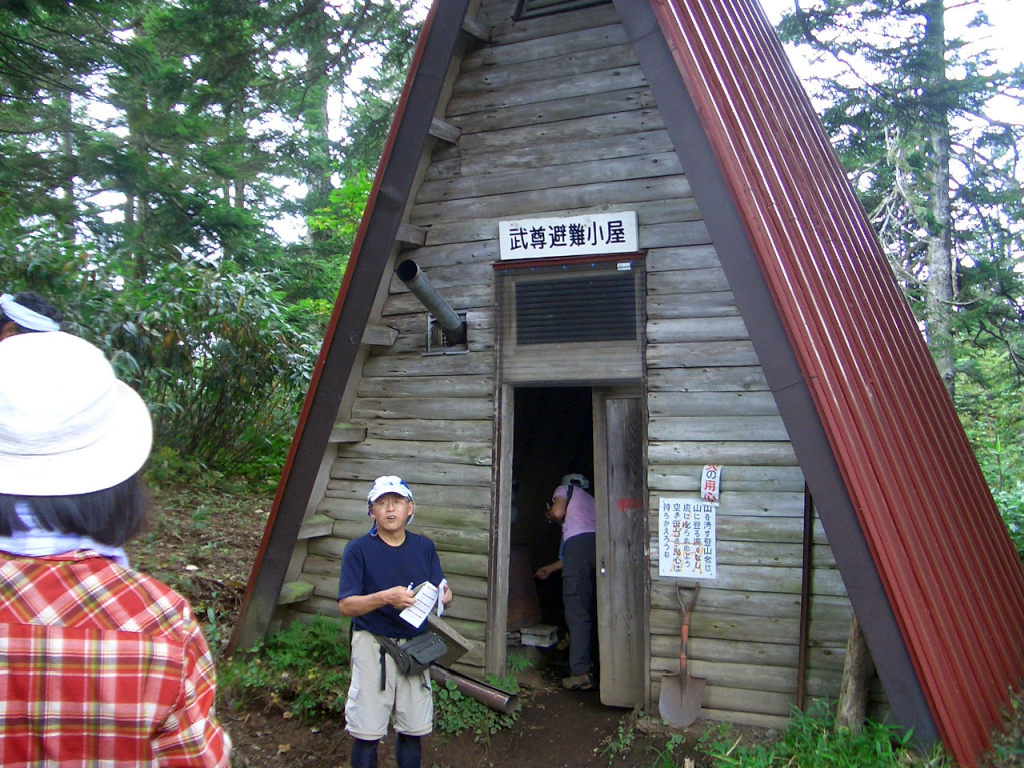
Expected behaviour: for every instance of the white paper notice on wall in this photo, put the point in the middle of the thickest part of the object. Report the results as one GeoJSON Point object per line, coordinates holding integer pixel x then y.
{"type": "Point", "coordinates": [711, 482]}
{"type": "Point", "coordinates": [686, 539]}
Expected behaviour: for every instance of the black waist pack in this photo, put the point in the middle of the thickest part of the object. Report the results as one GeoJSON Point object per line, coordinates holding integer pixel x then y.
{"type": "Point", "coordinates": [413, 656]}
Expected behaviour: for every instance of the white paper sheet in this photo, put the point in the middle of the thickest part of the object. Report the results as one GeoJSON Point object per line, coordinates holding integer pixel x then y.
{"type": "Point", "coordinates": [426, 598]}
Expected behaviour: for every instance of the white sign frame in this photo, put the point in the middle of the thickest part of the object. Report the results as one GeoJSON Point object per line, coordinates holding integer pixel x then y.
{"type": "Point", "coordinates": [559, 237]}
{"type": "Point", "coordinates": [687, 540]}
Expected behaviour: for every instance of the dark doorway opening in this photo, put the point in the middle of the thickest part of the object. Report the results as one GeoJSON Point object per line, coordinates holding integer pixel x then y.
{"type": "Point", "coordinates": [553, 437]}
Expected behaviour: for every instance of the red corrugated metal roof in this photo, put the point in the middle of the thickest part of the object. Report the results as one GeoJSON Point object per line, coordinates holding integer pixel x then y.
{"type": "Point", "coordinates": [946, 562]}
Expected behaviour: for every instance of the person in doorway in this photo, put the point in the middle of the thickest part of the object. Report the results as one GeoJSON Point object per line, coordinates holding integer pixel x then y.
{"type": "Point", "coordinates": [27, 312]}
{"type": "Point", "coordinates": [102, 665]}
{"type": "Point", "coordinates": [572, 506]}
{"type": "Point", "coordinates": [378, 572]}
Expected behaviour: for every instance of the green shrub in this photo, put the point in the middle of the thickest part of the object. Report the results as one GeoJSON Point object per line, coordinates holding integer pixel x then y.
{"type": "Point", "coordinates": [665, 757]}
{"type": "Point", "coordinates": [619, 744]}
{"type": "Point", "coordinates": [813, 740]}
{"type": "Point", "coordinates": [1008, 744]}
{"type": "Point", "coordinates": [1011, 506]}
{"type": "Point", "coordinates": [217, 353]}
{"type": "Point", "coordinates": [517, 662]}
{"type": "Point", "coordinates": [304, 669]}
{"type": "Point", "coordinates": [454, 712]}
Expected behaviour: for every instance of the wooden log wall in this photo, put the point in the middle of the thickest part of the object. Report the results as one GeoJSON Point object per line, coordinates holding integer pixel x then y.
{"type": "Point", "coordinates": [708, 403]}
{"type": "Point", "coordinates": [556, 118]}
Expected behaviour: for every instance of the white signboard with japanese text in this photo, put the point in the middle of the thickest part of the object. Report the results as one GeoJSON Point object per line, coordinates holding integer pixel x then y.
{"type": "Point", "coordinates": [711, 482]}
{"type": "Point", "coordinates": [686, 539]}
{"type": "Point", "coordinates": [597, 233]}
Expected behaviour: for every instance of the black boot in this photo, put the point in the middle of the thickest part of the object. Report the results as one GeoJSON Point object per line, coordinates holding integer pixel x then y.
{"type": "Point", "coordinates": [364, 753]}
{"type": "Point", "coordinates": [407, 751]}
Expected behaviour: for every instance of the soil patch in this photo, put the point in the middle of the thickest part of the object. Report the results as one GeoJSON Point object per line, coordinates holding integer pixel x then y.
{"type": "Point", "coordinates": [555, 729]}
{"type": "Point", "coordinates": [203, 543]}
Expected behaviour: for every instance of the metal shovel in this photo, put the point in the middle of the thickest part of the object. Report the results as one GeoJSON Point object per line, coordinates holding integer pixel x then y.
{"type": "Point", "coordinates": [682, 695]}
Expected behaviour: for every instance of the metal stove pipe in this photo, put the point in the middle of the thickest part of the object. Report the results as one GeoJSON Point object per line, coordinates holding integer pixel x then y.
{"type": "Point", "coordinates": [488, 695]}
{"type": "Point", "coordinates": [410, 274]}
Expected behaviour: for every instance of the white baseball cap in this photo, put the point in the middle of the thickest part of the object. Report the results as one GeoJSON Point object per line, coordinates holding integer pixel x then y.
{"type": "Point", "coordinates": [388, 484]}
{"type": "Point", "coordinates": [67, 425]}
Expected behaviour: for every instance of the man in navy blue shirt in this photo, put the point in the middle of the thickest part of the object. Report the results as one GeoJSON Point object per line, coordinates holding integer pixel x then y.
{"type": "Point", "coordinates": [378, 573]}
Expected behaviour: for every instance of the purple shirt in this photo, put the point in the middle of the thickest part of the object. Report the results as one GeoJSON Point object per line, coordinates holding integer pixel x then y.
{"type": "Point", "coordinates": [579, 515]}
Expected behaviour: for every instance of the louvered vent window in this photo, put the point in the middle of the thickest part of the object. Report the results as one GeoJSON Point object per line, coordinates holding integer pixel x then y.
{"type": "Point", "coordinates": [570, 307]}
{"type": "Point", "coordinates": [580, 320]}
{"type": "Point", "coordinates": [530, 9]}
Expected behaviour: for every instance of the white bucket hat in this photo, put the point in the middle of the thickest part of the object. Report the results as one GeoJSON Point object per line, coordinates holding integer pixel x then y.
{"type": "Point", "coordinates": [67, 425]}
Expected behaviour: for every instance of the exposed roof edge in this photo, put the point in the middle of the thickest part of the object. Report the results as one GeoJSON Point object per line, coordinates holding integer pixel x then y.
{"type": "Point", "coordinates": [781, 368]}
{"type": "Point", "coordinates": [385, 207]}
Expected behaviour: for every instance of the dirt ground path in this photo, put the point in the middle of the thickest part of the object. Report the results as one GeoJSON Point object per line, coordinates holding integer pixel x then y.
{"type": "Point", "coordinates": [555, 729]}
{"type": "Point", "coordinates": [203, 544]}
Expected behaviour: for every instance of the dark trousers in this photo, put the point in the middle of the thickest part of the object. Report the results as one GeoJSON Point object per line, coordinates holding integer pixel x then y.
{"type": "Point", "coordinates": [408, 750]}
{"type": "Point", "coordinates": [579, 592]}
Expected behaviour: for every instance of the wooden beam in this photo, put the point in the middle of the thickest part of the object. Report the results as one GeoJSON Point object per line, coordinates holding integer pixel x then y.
{"type": "Point", "coordinates": [379, 336]}
{"type": "Point", "coordinates": [318, 525]}
{"type": "Point", "coordinates": [347, 433]}
{"type": "Point", "coordinates": [295, 592]}
{"type": "Point", "coordinates": [439, 129]}
{"type": "Point", "coordinates": [476, 29]}
{"type": "Point", "coordinates": [410, 235]}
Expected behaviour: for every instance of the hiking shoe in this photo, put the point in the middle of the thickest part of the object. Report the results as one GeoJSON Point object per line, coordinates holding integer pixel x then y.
{"type": "Point", "coordinates": [584, 682]}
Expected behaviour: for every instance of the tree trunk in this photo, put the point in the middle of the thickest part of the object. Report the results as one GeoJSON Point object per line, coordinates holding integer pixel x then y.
{"type": "Point", "coordinates": [857, 671]}
{"type": "Point", "coordinates": [940, 248]}
{"type": "Point", "coordinates": [68, 217]}
{"type": "Point", "coordinates": [316, 121]}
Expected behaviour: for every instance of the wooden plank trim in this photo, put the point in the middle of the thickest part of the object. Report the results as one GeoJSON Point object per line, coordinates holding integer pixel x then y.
{"type": "Point", "coordinates": [295, 592]}
{"type": "Point", "coordinates": [317, 525]}
{"type": "Point", "coordinates": [476, 29]}
{"type": "Point", "coordinates": [447, 132]}
{"type": "Point", "coordinates": [347, 433]}
{"type": "Point", "coordinates": [410, 235]}
{"type": "Point", "coordinates": [379, 336]}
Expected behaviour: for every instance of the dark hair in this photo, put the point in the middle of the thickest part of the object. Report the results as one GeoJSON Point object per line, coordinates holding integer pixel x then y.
{"type": "Point", "coordinates": [35, 302]}
{"type": "Point", "coordinates": [111, 516]}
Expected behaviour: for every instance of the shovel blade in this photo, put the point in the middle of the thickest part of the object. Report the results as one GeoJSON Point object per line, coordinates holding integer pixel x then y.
{"type": "Point", "coordinates": [681, 699]}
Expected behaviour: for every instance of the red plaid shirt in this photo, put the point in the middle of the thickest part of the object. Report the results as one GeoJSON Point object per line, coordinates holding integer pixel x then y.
{"type": "Point", "coordinates": [101, 666]}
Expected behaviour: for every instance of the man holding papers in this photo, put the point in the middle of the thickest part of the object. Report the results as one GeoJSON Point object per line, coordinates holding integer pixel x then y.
{"type": "Point", "coordinates": [377, 575]}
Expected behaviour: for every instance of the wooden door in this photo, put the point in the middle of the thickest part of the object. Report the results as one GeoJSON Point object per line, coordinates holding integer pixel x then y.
{"type": "Point", "coordinates": [621, 541]}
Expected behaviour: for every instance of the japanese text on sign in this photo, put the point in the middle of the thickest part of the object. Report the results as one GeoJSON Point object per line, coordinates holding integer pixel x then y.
{"type": "Point", "coordinates": [710, 482]}
{"type": "Point", "coordinates": [597, 233]}
{"type": "Point", "coordinates": [686, 539]}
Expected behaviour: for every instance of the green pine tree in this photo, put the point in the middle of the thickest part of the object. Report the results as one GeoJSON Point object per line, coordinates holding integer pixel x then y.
{"type": "Point", "coordinates": [911, 112]}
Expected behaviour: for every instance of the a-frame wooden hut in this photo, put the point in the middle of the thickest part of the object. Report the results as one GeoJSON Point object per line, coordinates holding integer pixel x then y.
{"type": "Point", "coordinates": [755, 325]}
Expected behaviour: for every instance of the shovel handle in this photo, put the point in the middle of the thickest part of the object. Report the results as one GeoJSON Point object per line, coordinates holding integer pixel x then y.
{"type": "Point", "coordinates": [687, 608]}
{"type": "Point", "coordinates": [684, 629]}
